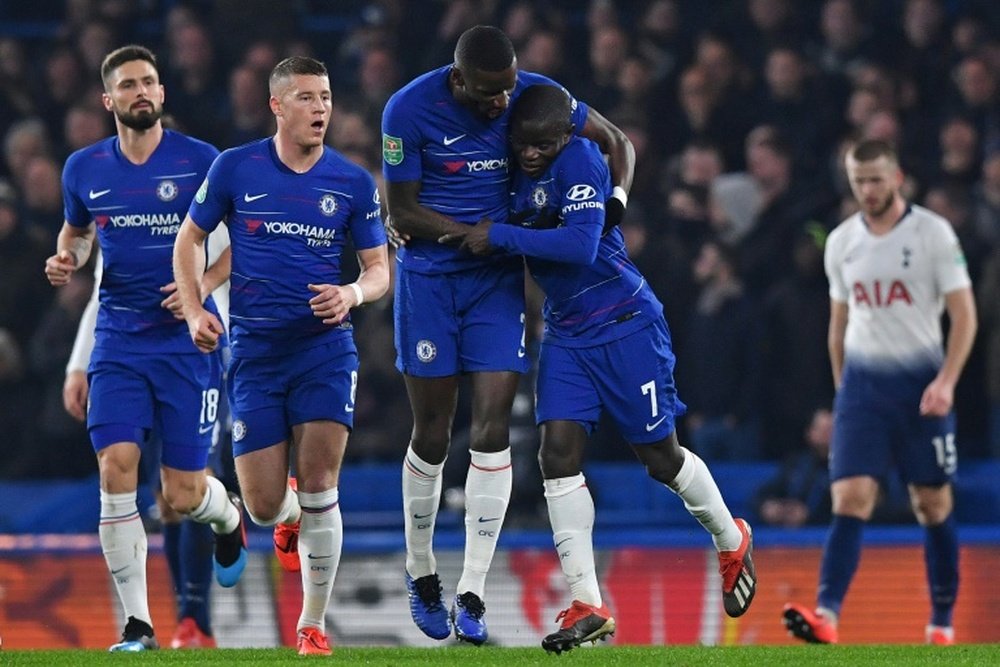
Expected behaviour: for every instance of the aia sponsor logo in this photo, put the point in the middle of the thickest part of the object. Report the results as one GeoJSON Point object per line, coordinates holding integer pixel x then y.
{"type": "Point", "coordinates": [879, 295]}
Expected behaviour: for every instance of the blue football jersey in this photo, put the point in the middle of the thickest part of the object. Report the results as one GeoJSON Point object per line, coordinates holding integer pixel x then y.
{"type": "Point", "coordinates": [138, 209]}
{"type": "Point", "coordinates": [460, 159]}
{"type": "Point", "coordinates": [287, 231]}
{"type": "Point", "coordinates": [556, 221]}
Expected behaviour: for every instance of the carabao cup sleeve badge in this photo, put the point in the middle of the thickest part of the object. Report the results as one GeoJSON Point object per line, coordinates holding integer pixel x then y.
{"type": "Point", "coordinates": [392, 149]}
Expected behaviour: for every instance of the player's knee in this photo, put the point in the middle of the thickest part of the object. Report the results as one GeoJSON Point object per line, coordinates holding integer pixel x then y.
{"type": "Point", "coordinates": [116, 466]}
{"type": "Point", "coordinates": [930, 508]}
{"type": "Point", "coordinates": [262, 511]}
{"type": "Point", "coordinates": [663, 462]}
{"type": "Point", "coordinates": [430, 449]}
{"type": "Point", "coordinates": [182, 498]}
{"type": "Point", "coordinates": [489, 436]}
{"type": "Point", "coordinates": [662, 459]}
{"type": "Point", "coordinates": [856, 505]}
{"type": "Point", "coordinates": [556, 462]}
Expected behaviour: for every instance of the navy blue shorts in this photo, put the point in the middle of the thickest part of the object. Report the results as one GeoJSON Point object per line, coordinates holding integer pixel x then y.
{"type": "Point", "coordinates": [632, 378]}
{"type": "Point", "coordinates": [461, 322]}
{"type": "Point", "coordinates": [176, 395]}
{"type": "Point", "coordinates": [877, 425]}
{"type": "Point", "coordinates": [269, 395]}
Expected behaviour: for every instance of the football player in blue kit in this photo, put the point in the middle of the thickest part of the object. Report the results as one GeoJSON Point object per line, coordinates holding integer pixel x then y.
{"type": "Point", "coordinates": [445, 161]}
{"type": "Point", "coordinates": [893, 268]}
{"type": "Point", "coordinates": [290, 204]}
{"type": "Point", "coordinates": [606, 347]}
{"type": "Point", "coordinates": [187, 544]}
{"type": "Point", "coordinates": [132, 191]}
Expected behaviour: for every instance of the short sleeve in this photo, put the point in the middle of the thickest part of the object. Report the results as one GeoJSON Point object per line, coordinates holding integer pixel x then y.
{"type": "Point", "coordinates": [832, 263]}
{"type": "Point", "coordinates": [212, 202]}
{"type": "Point", "coordinates": [75, 212]}
{"type": "Point", "coordinates": [951, 271]}
{"type": "Point", "coordinates": [367, 230]}
{"type": "Point", "coordinates": [401, 143]}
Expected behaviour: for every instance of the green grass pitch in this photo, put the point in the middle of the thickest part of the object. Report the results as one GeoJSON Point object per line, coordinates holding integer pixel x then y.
{"type": "Point", "coordinates": [601, 656]}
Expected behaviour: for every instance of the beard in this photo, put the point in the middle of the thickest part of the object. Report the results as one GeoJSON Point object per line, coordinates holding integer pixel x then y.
{"type": "Point", "coordinates": [140, 120]}
{"type": "Point", "coordinates": [881, 207]}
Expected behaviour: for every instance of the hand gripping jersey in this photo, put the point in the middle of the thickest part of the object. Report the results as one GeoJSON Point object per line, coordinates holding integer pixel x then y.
{"type": "Point", "coordinates": [287, 231]}
{"type": "Point", "coordinates": [460, 159]}
{"type": "Point", "coordinates": [894, 286]}
{"type": "Point", "coordinates": [138, 210]}
{"type": "Point", "coordinates": [590, 299]}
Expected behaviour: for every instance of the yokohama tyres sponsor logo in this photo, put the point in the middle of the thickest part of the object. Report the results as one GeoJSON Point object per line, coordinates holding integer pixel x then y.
{"type": "Point", "coordinates": [487, 165]}
{"type": "Point", "coordinates": [160, 224]}
{"type": "Point", "coordinates": [144, 219]}
{"type": "Point", "coordinates": [314, 235]}
{"type": "Point", "coordinates": [474, 166]}
{"type": "Point", "coordinates": [299, 229]}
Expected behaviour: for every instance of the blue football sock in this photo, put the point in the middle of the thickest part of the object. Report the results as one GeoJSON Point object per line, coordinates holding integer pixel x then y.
{"type": "Point", "coordinates": [841, 554]}
{"type": "Point", "coordinates": [172, 551]}
{"type": "Point", "coordinates": [941, 556]}
{"type": "Point", "coordinates": [196, 553]}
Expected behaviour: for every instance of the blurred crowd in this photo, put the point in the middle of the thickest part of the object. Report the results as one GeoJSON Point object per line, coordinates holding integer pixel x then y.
{"type": "Point", "coordinates": [739, 111]}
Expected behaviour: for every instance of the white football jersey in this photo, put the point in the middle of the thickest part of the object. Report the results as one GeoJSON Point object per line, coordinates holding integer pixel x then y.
{"type": "Point", "coordinates": [894, 286]}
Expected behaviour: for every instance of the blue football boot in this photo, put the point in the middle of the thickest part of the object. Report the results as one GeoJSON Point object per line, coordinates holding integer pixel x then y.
{"type": "Point", "coordinates": [427, 607]}
{"type": "Point", "coordinates": [467, 616]}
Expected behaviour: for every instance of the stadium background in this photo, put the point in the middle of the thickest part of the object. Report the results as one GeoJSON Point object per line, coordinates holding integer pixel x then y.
{"type": "Point", "coordinates": [677, 75]}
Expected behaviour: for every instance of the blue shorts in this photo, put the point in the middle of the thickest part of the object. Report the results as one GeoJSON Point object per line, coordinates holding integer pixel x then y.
{"type": "Point", "coordinates": [269, 395]}
{"type": "Point", "coordinates": [176, 395]}
{"type": "Point", "coordinates": [877, 424]}
{"type": "Point", "coordinates": [632, 378]}
{"type": "Point", "coordinates": [461, 322]}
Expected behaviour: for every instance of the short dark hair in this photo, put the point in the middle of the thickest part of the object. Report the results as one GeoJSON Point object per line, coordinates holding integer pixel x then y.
{"type": "Point", "coordinates": [873, 149]}
{"type": "Point", "coordinates": [484, 48]}
{"type": "Point", "coordinates": [123, 55]}
{"type": "Point", "coordinates": [542, 103]}
{"type": "Point", "coordinates": [302, 65]}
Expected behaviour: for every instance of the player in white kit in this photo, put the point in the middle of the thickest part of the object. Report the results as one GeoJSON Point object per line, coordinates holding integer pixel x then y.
{"type": "Point", "coordinates": [893, 268]}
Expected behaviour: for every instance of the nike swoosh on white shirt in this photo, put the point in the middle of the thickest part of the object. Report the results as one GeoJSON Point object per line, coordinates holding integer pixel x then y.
{"type": "Point", "coordinates": [650, 427]}
{"type": "Point", "coordinates": [99, 193]}
{"type": "Point", "coordinates": [249, 198]}
{"type": "Point", "coordinates": [448, 141]}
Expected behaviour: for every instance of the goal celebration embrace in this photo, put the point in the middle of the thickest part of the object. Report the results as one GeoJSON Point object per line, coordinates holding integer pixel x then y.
{"type": "Point", "coordinates": [394, 330]}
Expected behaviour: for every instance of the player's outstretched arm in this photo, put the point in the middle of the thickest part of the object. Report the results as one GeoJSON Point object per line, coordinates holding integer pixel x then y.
{"type": "Point", "coordinates": [939, 395]}
{"type": "Point", "coordinates": [621, 159]}
{"type": "Point", "coordinates": [410, 218]}
{"type": "Point", "coordinates": [72, 251]}
{"type": "Point", "coordinates": [189, 265]}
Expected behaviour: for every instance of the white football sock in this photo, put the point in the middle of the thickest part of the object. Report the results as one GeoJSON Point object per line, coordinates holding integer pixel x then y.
{"type": "Point", "coordinates": [571, 513]}
{"type": "Point", "coordinates": [421, 498]}
{"type": "Point", "coordinates": [487, 494]}
{"type": "Point", "coordinates": [696, 487]}
{"type": "Point", "coordinates": [321, 537]}
{"type": "Point", "coordinates": [123, 541]}
{"type": "Point", "coordinates": [216, 510]}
